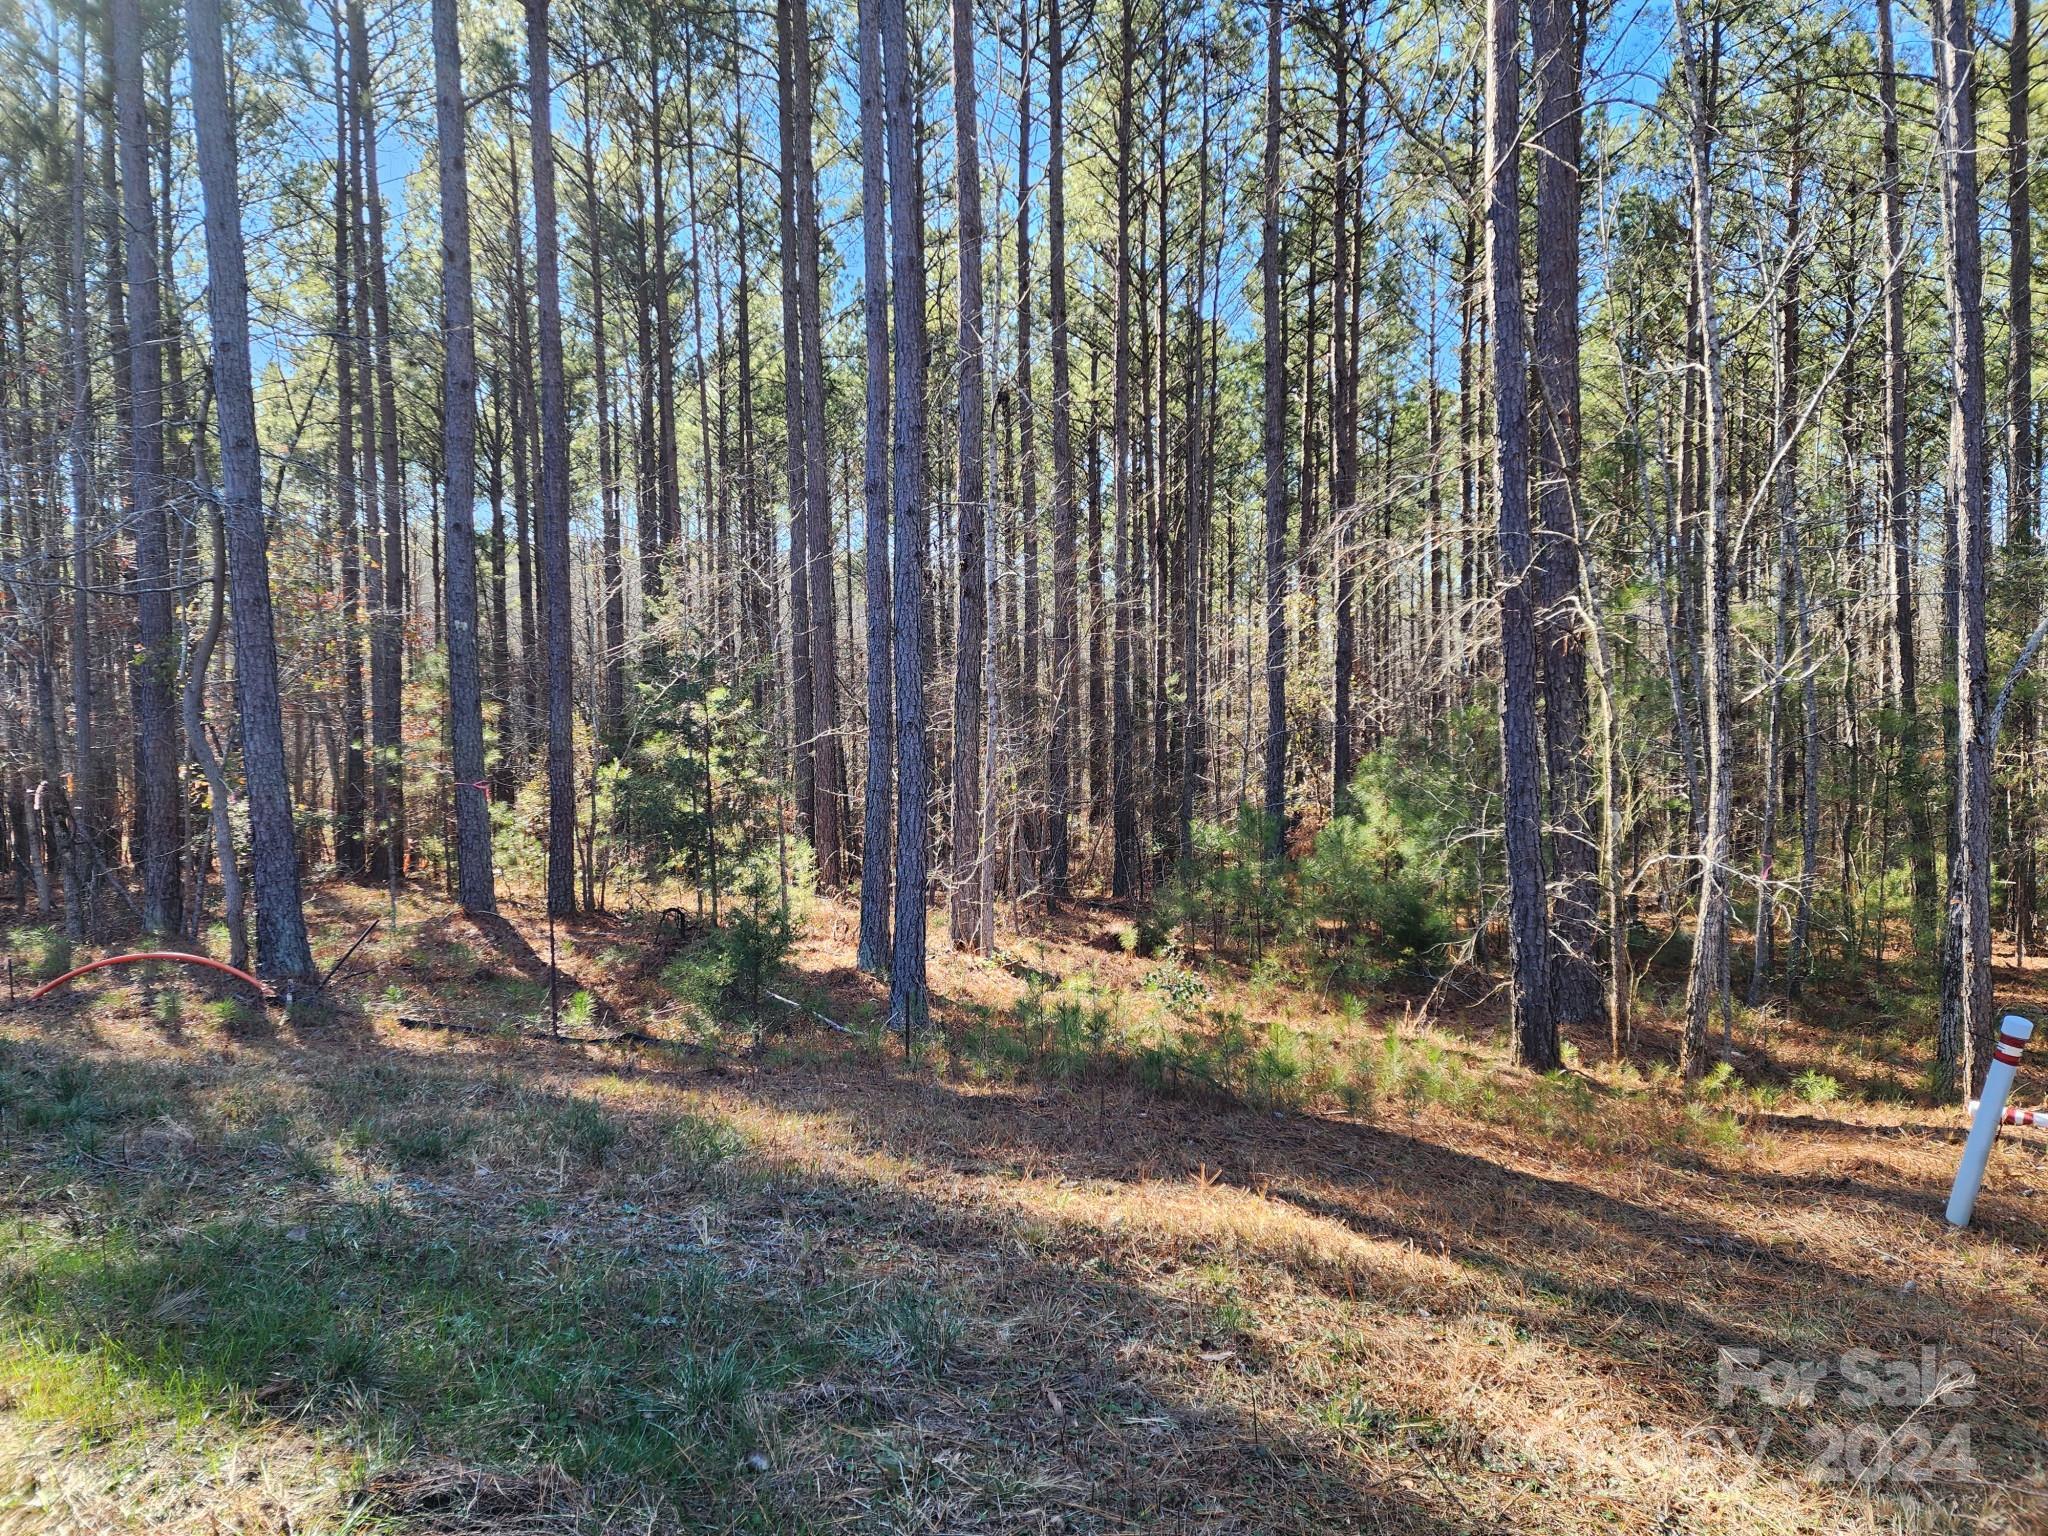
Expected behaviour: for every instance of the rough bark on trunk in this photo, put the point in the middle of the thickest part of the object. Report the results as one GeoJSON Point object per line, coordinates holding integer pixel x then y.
{"type": "Point", "coordinates": [1344, 423]}
{"type": "Point", "coordinates": [802, 675]}
{"type": "Point", "coordinates": [1708, 980]}
{"type": "Point", "coordinates": [827, 751]}
{"type": "Point", "coordinates": [874, 215]}
{"type": "Point", "coordinates": [2022, 491]}
{"type": "Point", "coordinates": [1898, 488]}
{"type": "Point", "coordinates": [1521, 748]}
{"type": "Point", "coordinates": [1785, 492]}
{"type": "Point", "coordinates": [909, 1003]}
{"type": "Point", "coordinates": [972, 924]}
{"type": "Point", "coordinates": [474, 884]}
{"type": "Point", "coordinates": [1275, 454]}
{"type": "Point", "coordinates": [612, 661]}
{"type": "Point", "coordinates": [1125, 859]}
{"type": "Point", "coordinates": [554, 478]}
{"type": "Point", "coordinates": [154, 670]}
{"type": "Point", "coordinates": [1066, 597]}
{"type": "Point", "coordinates": [282, 949]}
{"type": "Point", "coordinates": [1574, 928]}
{"type": "Point", "coordinates": [1963, 1044]}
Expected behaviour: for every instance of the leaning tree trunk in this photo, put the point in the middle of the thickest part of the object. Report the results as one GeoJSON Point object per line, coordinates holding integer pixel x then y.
{"type": "Point", "coordinates": [554, 478]}
{"type": "Point", "coordinates": [1521, 748]}
{"type": "Point", "coordinates": [282, 949]}
{"type": "Point", "coordinates": [473, 875]}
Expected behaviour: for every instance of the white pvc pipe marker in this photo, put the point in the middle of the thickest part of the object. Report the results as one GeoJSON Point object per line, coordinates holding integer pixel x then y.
{"type": "Point", "coordinates": [2013, 1033]}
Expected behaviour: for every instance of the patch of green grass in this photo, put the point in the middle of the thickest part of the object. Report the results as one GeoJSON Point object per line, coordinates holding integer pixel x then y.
{"type": "Point", "coordinates": [585, 1131]}
{"type": "Point", "coordinates": [396, 1327]}
{"type": "Point", "coordinates": [703, 1144]}
{"type": "Point", "coordinates": [904, 1328]}
{"type": "Point", "coordinates": [71, 1099]}
{"type": "Point", "coordinates": [412, 1138]}
{"type": "Point", "coordinates": [306, 1163]}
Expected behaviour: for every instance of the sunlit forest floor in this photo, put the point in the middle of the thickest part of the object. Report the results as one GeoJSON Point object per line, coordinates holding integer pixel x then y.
{"type": "Point", "coordinates": [1109, 1252]}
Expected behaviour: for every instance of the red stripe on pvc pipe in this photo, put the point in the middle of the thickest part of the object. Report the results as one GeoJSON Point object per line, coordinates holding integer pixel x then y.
{"type": "Point", "coordinates": [176, 956]}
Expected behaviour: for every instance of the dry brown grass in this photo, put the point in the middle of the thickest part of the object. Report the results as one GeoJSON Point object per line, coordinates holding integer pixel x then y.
{"type": "Point", "coordinates": [1152, 1312]}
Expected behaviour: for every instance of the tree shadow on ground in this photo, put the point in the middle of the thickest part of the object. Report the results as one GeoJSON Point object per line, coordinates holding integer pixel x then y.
{"type": "Point", "coordinates": [1079, 1393]}
{"type": "Point", "coordinates": [588, 1342]}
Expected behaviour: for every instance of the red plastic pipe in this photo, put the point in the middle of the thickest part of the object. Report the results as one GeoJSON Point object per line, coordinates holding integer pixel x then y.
{"type": "Point", "coordinates": [144, 957]}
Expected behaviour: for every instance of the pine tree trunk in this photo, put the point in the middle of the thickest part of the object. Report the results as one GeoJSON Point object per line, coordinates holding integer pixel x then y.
{"type": "Point", "coordinates": [554, 478]}
{"type": "Point", "coordinates": [1899, 490]}
{"type": "Point", "coordinates": [1066, 596]}
{"type": "Point", "coordinates": [525, 469]}
{"type": "Point", "coordinates": [1574, 929]}
{"type": "Point", "coordinates": [1521, 749]}
{"type": "Point", "coordinates": [828, 753]}
{"type": "Point", "coordinates": [474, 885]}
{"type": "Point", "coordinates": [1708, 981]}
{"type": "Point", "coordinates": [282, 949]}
{"type": "Point", "coordinates": [1275, 438]}
{"type": "Point", "coordinates": [1963, 1044]}
{"type": "Point", "coordinates": [611, 664]}
{"type": "Point", "coordinates": [668, 526]}
{"type": "Point", "coordinates": [379, 445]}
{"type": "Point", "coordinates": [1030, 814]}
{"type": "Point", "coordinates": [874, 212]}
{"type": "Point", "coordinates": [84, 833]}
{"type": "Point", "coordinates": [1785, 489]}
{"type": "Point", "coordinates": [802, 674]}
{"type": "Point", "coordinates": [155, 667]}
{"type": "Point", "coordinates": [1344, 509]}
{"type": "Point", "coordinates": [909, 1004]}
{"type": "Point", "coordinates": [972, 926]}
{"type": "Point", "coordinates": [501, 613]}
{"type": "Point", "coordinates": [387, 622]}
{"type": "Point", "coordinates": [193, 706]}
{"type": "Point", "coordinates": [2023, 489]}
